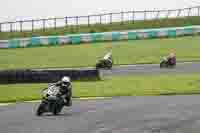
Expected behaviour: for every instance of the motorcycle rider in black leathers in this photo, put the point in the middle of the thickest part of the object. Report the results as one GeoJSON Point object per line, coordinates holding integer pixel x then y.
{"type": "Point", "coordinates": [65, 89]}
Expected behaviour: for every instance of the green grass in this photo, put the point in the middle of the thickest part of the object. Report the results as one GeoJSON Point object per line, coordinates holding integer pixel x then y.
{"type": "Point", "coordinates": [124, 52]}
{"type": "Point", "coordinates": [141, 85]}
{"type": "Point", "coordinates": [187, 21]}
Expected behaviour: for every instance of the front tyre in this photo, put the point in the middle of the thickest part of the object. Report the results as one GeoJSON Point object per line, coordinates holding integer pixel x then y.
{"type": "Point", "coordinates": [40, 109]}
{"type": "Point", "coordinates": [55, 112]}
{"type": "Point", "coordinates": [162, 64]}
{"type": "Point", "coordinates": [97, 66]}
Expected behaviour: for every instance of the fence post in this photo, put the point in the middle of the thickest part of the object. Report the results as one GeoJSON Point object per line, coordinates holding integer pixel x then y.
{"type": "Point", "coordinates": [32, 25]}
{"type": "Point", "coordinates": [189, 10]}
{"type": "Point", "coordinates": [133, 16]}
{"type": "Point", "coordinates": [100, 18]}
{"type": "Point", "coordinates": [168, 13]}
{"type": "Point", "coordinates": [179, 12]}
{"type": "Point", "coordinates": [198, 11]}
{"type": "Point", "coordinates": [145, 15]}
{"type": "Point", "coordinates": [11, 27]}
{"type": "Point", "coordinates": [76, 20]}
{"type": "Point", "coordinates": [43, 24]}
{"type": "Point", "coordinates": [77, 23]}
{"type": "Point", "coordinates": [88, 20]}
{"type": "Point", "coordinates": [55, 23]}
{"type": "Point", "coordinates": [21, 26]}
{"type": "Point", "coordinates": [158, 14]}
{"type": "Point", "coordinates": [66, 22]}
{"type": "Point", "coordinates": [110, 18]}
{"type": "Point", "coordinates": [122, 17]}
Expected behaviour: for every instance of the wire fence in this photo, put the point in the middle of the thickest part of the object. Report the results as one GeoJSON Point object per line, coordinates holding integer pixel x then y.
{"type": "Point", "coordinates": [108, 18]}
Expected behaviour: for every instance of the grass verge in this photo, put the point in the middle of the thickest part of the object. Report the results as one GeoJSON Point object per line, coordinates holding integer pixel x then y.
{"type": "Point", "coordinates": [124, 52]}
{"type": "Point", "coordinates": [143, 85]}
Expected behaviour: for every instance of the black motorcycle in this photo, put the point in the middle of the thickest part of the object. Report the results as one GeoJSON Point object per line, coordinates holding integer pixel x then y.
{"type": "Point", "coordinates": [165, 63]}
{"type": "Point", "coordinates": [105, 64]}
{"type": "Point", "coordinates": [52, 101]}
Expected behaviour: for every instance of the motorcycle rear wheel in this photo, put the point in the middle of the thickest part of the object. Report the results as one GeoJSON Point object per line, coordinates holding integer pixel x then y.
{"type": "Point", "coordinates": [109, 66]}
{"type": "Point", "coordinates": [57, 108]}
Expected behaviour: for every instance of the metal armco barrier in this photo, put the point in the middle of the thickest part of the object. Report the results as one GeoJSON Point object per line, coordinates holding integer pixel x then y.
{"type": "Point", "coordinates": [100, 37]}
{"type": "Point", "coordinates": [67, 22]}
{"type": "Point", "coordinates": [45, 76]}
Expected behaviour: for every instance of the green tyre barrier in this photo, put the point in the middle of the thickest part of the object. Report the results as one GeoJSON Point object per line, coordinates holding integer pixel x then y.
{"type": "Point", "coordinates": [132, 35]}
{"type": "Point", "coordinates": [34, 41]}
{"type": "Point", "coordinates": [188, 31]}
{"type": "Point", "coordinates": [14, 43]}
{"type": "Point", "coordinates": [75, 39]}
{"type": "Point", "coordinates": [115, 36]}
{"type": "Point", "coordinates": [172, 33]}
{"type": "Point", "coordinates": [101, 37]}
{"type": "Point", "coordinates": [152, 34]}
{"type": "Point", "coordinates": [97, 37]}
{"type": "Point", "coordinates": [53, 40]}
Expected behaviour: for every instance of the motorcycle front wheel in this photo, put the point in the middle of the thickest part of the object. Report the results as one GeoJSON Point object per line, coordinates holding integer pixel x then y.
{"type": "Point", "coordinates": [163, 64]}
{"type": "Point", "coordinates": [99, 65]}
{"type": "Point", "coordinates": [41, 109]}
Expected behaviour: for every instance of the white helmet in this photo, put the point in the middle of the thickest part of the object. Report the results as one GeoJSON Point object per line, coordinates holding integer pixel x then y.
{"type": "Point", "coordinates": [66, 79]}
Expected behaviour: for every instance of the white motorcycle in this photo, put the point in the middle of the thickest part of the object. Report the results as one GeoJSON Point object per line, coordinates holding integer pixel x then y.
{"type": "Point", "coordinates": [106, 62]}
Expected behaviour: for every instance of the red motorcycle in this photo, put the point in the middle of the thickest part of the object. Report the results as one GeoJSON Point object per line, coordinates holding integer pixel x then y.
{"type": "Point", "coordinates": [168, 62]}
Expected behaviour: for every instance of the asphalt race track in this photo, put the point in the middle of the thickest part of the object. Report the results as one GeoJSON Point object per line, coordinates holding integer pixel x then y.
{"type": "Point", "coordinates": [175, 114]}
{"type": "Point", "coordinates": [151, 69]}
{"type": "Point", "coordinates": [163, 114]}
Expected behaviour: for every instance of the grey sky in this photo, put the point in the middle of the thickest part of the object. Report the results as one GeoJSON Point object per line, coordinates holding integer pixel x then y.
{"type": "Point", "coordinates": [25, 9]}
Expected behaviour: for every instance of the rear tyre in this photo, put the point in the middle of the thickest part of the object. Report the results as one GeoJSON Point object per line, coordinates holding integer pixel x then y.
{"type": "Point", "coordinates": [58, 105]}
{"type": "Point", "coordinates": [55, 112]}
{"type": "Point", "coordinates": [173, 66]}
{"type": "Point", "coordinates": [109, 66]}
{"type": "Point", "coordinates": [56, 109]}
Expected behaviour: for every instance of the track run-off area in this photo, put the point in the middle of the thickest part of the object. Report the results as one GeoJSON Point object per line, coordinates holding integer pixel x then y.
{"type": "Point", "coordinates": [163, 114]}
{"type": "Point", "coordinates": [150, 114]}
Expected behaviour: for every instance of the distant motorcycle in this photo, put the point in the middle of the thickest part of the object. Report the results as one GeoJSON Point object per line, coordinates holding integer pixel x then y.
{"type": "Point", "coordinates": [52, 101]}
{"type": "Point", "coordinates": [102, 63]}
{"type": "Point", "coordinates": [106, 62]}
{"type": "Point", "coordinates": [165, 63]}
